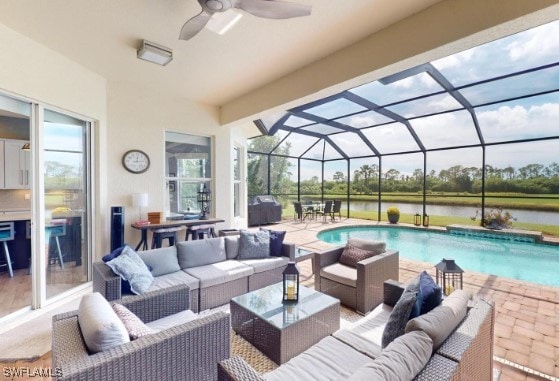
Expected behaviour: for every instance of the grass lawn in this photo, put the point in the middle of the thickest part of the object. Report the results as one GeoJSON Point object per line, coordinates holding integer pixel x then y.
{"type": "Point", "coordinates": [550, 230]}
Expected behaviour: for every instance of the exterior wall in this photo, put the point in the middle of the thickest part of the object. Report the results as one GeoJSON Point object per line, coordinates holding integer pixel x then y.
{"type": "Point", "coordinates": [138, 119]}
{"type": "Point", "coordinates": [37, 73]}
{"type": "Point", "coordinates": [127, 117]}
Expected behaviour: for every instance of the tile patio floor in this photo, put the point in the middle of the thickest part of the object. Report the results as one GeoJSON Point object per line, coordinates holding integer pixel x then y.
{"type": "Point", "coordinates": [527, 314]}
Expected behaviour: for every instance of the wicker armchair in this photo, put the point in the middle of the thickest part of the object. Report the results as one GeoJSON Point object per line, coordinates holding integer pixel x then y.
{"type": "Point", "coordinates": [360, 288]}
{"type": "Point", "coordinates": [190, 351]}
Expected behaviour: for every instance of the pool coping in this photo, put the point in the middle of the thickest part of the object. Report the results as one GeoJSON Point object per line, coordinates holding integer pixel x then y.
{"type": "Point", "coordinates": [523, 235]}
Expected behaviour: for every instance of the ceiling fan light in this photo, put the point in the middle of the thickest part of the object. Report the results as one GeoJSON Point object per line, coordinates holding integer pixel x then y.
{"type": "Point", "coordinates": [221, 22]}
{"type": "Point", "coordinates": [152, 52]}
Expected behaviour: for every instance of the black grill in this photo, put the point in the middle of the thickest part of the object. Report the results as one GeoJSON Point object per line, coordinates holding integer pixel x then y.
{"type": "Point", "coordinates": [263, 209]}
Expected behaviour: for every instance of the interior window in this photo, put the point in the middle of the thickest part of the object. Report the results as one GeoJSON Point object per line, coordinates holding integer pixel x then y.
{"type": "Point", "coordinates": [188, 170]}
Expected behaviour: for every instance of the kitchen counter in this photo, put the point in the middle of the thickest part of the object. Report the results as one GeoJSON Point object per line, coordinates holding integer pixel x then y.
{"type": "Point", "coordinates": [15, 216]}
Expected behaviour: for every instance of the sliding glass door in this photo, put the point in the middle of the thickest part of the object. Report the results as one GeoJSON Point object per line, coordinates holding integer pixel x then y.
{"type": "Point", "coordinates": [15, 205]}
{"type": "Point", "coordinates": [66, 202]}
{"type": "Point", "coordinates": [45, 204]}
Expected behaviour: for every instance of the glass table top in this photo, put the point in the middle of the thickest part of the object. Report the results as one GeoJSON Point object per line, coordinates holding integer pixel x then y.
{"type": "Point", "coordinates": [266, 303]}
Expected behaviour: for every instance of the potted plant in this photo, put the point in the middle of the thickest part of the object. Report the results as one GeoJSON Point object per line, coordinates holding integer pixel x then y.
{"type": "Point", "coordinates": [496, 219]}
{"type": "Point", "coordinates": [393, 214]}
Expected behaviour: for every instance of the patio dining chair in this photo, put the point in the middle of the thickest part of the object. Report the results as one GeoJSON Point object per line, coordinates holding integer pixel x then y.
{"type": "Point", "coordinates": [300, 212]}
{"type": "Point", "coordinates": [327, 211]}
{"type": "Point", "coordinates": [336, 209]}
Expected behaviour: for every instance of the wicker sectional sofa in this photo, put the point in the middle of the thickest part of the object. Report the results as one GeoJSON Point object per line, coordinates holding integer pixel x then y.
{"type": "Point", "coordinates": [211, 268]}
{"type": "Point", "coordinates": [354, 353]}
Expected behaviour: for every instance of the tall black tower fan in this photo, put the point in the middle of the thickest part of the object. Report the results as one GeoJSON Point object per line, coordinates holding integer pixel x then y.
{"type": "Point", "coordinates": [117, 227]}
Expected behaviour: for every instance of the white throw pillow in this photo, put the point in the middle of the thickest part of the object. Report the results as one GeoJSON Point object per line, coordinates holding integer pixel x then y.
{"type": "Point", "coordinates": [100, 326]}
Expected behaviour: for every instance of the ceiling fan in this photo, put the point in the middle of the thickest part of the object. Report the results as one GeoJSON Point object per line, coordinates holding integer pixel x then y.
{"type": "Point", "coordinates": [271, 9]}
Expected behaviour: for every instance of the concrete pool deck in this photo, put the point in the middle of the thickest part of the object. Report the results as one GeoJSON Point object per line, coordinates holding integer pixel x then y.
{"type": "Point", "coordinates": [527, 314]}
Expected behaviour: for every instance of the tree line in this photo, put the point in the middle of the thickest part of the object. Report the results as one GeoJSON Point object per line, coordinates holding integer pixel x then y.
{"type": "Point", "coordinates": [530, 179]}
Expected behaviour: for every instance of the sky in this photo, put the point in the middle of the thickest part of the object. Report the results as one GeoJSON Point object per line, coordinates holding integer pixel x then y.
{"type": "Point", "coordinates": [527, 118]}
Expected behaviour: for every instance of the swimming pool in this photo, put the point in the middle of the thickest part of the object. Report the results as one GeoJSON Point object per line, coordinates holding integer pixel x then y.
{"type": "Point", "coordinates": [530, 262]}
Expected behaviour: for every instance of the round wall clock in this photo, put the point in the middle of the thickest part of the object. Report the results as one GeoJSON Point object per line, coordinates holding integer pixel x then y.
{"type": "Point", "coordinates": [135, 161]}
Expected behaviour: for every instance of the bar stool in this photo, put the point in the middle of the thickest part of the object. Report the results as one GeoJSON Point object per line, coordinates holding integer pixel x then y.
{"type": "Point", "coordinates": [57, 228]}
{"type": "Point", "coordinates": [167, 233]}
{"type": "Point", "coordinates": [7, 233]}
{"type": "Point", "coordinates": [200, 232]}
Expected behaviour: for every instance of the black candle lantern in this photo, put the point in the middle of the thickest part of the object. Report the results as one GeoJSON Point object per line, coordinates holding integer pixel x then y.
{"type": "Point", "coordinates": [204, 198]}
{"type": "Point", "coordinates": [417, 219]}
{"type": "Point", "coordinates": [425, 220]}
{"type": "Point", "coordinates": [449, 276]}
{"type": "Point", "coordinates": [291, 283]}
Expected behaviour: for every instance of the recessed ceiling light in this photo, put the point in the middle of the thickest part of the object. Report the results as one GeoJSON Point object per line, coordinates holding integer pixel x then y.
{"type": "Point", "coordinates": [152, 52]}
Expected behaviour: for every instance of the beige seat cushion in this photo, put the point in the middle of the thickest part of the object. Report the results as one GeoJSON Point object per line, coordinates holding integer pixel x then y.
{"type": "Point", "coordinates": [221, 272]}
{"type": "Point", "coordinates": [172, 320]}
{"type": "Point", "coordinates": [175, 279]}
{"type": "Point", "coordinates": [340, 273]}
{"type": "Point", "coordinates": [441, 321]}
{"type": "Point", "coordinates": [401, 360]}
{"type": "Point", "coordinates": [365, 335]}
{"type": "Point", "coordinates": [265, 264]}
{"type": "Point", "coordinates": [329, 359]}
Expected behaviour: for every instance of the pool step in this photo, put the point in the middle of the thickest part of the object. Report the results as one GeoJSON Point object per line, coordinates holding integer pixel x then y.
{"type": "Point", "coordinates": [513, 235]}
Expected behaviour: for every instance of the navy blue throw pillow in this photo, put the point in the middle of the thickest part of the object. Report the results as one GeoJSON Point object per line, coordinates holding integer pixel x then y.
{"type": "Point", "coordinates": [124, 284]}
{"type": "Point", "coordinates": [113, 254]}
{"type": "Point", "coordinates": [276, 242]}
{"type": "Point", "coordinates": [431, 293]}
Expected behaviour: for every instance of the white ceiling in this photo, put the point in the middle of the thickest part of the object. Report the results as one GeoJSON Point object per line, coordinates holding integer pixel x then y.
{"type": "Point", "coordinates": [103, 35]}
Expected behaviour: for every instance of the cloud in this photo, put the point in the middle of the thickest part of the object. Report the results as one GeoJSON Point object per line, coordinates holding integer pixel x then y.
{"type": "Point", "coordinates": [513, 53]}
{"type": "Point", "coordinates": [535, 44]}
{"type": "Point", "coordinates": [362, 120]}
{"type": "Point", "coordinates": [446, 130]}
{"type": "Point", "coordinates": [519, 121]}
{"type": "Point", "coordinates": [455, 60]}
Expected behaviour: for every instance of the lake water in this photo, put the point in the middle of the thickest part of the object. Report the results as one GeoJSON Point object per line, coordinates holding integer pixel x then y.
{"type": "Point", "coordinates": [530, 216]}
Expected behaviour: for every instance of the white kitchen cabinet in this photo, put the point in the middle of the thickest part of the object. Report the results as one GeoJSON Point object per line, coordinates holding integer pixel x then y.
{"type": "Point", "coordinates": [17, 163]}
{"type": "Point", "coordinates": [1, 164]}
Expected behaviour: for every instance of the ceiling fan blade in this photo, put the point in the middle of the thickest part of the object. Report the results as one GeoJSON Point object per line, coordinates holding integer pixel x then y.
{"type": "Point", "coordinates": [194, 25]}
{"type": "Point", "coordinates": [272, 9]}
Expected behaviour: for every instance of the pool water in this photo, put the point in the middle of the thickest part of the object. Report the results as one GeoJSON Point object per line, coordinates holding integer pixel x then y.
{"type": "Point", "coordinates": [530, 262]}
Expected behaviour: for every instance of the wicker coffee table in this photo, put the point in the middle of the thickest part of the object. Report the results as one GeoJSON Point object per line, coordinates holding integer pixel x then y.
{"type": "Point", "coordinates": [282, 331]}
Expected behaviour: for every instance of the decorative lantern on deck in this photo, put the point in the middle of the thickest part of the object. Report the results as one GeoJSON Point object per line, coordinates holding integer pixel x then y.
{"type": "Point", "coordinates": [204, 198]}
{"type": "Point", "coordinates": [417, 219]}
{"type": "Point", "coordinates": [291, 283]}
{"type": "Point", "coordinates": [425, 220]}
{"type": "Point", "coordinates": [449, 276]}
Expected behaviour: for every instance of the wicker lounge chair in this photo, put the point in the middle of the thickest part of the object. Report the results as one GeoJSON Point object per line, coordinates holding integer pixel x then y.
{"type": "Point", "coordinates": [359, 288]}
{"type": "Point", "coordinates": [188, 351]}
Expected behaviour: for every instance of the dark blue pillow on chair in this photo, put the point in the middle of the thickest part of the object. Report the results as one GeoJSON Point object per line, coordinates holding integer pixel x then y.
{"type": "Point", "coordinates": [429, 293]}
{"type": "Point", "coordinates": [124, 284]}
{"type": "Point", "coordinates": [276, 242]}
{"type": "Point", "coordinates": [113, 254]}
